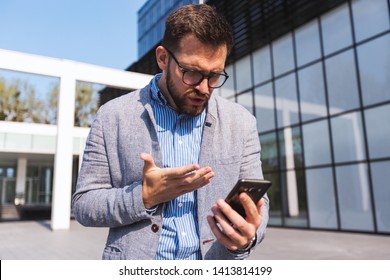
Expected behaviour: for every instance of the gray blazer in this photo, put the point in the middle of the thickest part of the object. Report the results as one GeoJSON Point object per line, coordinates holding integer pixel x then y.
{"type": "Point", "coordinates": [108, 192]}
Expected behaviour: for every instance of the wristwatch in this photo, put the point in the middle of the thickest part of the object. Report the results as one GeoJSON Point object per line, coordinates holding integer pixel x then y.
{"type": "Point", "coordinates": [250, 244]}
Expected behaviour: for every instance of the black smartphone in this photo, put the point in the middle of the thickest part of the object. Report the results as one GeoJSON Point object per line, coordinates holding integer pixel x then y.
{"type": "Point", "coordinates": [255, 188]}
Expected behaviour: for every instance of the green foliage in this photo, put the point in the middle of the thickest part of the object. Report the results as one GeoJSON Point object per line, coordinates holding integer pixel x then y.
{"type": "Point", "coordinates": [86, 104]}
{"type": "Point", "coordinates": [13, 107]}
{"type": "Point", "coordinates": [18, 102]}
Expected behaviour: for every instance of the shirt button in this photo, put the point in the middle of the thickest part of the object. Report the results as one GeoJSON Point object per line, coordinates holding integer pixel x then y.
{"type": "Point", "coordinates": [155, 228]}
{"type": "Point", "coordinates": [180, 142]}
{"type": "Point", "coordinates": [180, 204]}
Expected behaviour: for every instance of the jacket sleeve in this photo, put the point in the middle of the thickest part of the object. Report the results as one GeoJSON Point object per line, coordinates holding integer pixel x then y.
{"type": "Point", "coordinates": [251, 168]}
{"type": "Point", "coordinates": [96, 201]}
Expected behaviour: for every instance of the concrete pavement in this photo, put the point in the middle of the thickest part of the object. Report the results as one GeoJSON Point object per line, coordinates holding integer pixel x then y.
{"type": "Point", "coordinates": [29, 240]}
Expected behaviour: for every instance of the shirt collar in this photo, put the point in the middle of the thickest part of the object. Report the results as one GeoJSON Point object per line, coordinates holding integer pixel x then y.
{"type": "Point", "coordinates": [156, 93]}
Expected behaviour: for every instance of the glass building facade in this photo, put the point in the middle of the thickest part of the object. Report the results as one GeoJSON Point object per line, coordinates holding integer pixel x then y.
{"type": "Point", "coordinates": [151, 21]}
{"type": "Point", "coordinates": [316, 74]}
{"type": "Point", "coordinates": [321, 95]}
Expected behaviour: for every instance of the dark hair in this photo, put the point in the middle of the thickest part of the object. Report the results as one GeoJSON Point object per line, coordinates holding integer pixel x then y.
{"type": "Point", "coordinates": [200, 20]}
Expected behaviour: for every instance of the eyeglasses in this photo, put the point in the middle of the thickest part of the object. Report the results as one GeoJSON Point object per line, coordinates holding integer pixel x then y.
{"type": "Point", "coordinates": [194, 77]}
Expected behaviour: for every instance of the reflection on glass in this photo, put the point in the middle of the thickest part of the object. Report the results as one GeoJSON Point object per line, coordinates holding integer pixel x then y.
{"type": "Point", "coordinates": [286, 101]}
{"type": "Point", "coordinates": [307, 40]}
{"type": "Point", "coordinates": [269, 152]}
{"type": "Point", "coordinates": [370, 19]}
{"type": "Point", "coordinates": [354, 197]}
{"type": "Point", "coordinates": [347, 136]}
{"type": "Point", "coordinates": [244, 75]}
{"type": "Point", "coordinates": [321, 198]}
{"type": "Point", "coordinates": [336, 29]}
{"type": "Point", "coordinates": [86, 105]}
{"type": "Point", "coordinates": [275, 199]}
{"type": "Point", "coordinates": [283, 55]}
{"type": "Point", "coordinates": [374, 69]}
{"type": "Point", "coordinates": [312, 92]}
{"type": "Point", "coordinates": [265, 108]}
{"type": "Point", "coordinates": [228, 87]}
{"type": "Point", "coordinates": [246, 100]}
{"type": "Point", "coordinates": [380, 180]}
{"type": "Point", "coordinates": [294, 198]}
{"type": "Point", "coordinates": [262, 65]}
{"type": "Point", "coordinates": [28, 98]}
{"type": "Point", "coordinates": [342, 88]}
{"type": "Point", "coordinates": [317, 149]}
{"type": "Point", "coordinates": [290, 148]}
{"type": "Point", "coordinates": [378, 131]}
{"type": "Point", "coordinates": [7, 183]}
{"type": "Point", "coordinates": [39, 185]}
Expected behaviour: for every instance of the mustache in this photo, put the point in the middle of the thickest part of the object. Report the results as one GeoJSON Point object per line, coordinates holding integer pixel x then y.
{"type": "Point", "coordinates": [197, 94]}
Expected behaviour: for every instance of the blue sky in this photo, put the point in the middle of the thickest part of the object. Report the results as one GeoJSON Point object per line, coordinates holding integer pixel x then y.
{"type": "Point", "coordinates": [100, 32]}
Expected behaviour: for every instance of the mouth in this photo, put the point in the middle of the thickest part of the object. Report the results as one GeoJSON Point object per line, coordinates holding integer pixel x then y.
{"type": "Point", "coordinates": [197, 101]}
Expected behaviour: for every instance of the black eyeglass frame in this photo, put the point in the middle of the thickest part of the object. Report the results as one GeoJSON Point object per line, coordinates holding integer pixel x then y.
{"type": "Point", "coordinates": [210, 75]}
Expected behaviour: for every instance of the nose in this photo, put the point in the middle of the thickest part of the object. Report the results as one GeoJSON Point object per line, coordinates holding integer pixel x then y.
{"type": "Point", "coordinates": [203, 87]}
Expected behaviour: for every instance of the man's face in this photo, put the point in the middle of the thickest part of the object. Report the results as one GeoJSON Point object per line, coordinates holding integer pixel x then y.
{"type": "Point", "coordinates": [195, 56]}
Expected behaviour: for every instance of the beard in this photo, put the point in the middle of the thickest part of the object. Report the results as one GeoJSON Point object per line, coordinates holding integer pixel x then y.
{"type": "Point", "coordinates": [183, 101]}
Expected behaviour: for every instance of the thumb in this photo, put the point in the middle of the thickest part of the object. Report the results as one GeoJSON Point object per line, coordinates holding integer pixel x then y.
{"type": "Point", "coordinates": [148, 161]}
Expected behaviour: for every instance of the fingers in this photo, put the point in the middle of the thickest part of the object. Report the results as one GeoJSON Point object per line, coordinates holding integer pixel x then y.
{"type": "Point", "coordinates": [164, 184]}
{"type": "Point", "coordinates": [252, 211]}
{"type": "Point", "coordinates": [148, 161]}
{"type": "Point", "coordinates": [204, 174]}
{"type": "Point", "coordinates": [227, 233]}
{"type": "Point", "coordinates": [230, 228]}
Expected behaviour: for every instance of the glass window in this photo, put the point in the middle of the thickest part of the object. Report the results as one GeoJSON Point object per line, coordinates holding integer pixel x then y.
{"type": "Point", "coordinates": [283, 56]}
{"type": "Point", "coordinates": [86, 104]}
{"type": "Point", "coordinates": [243, 74]}
{"type": "Point", "coordinates": [336, 29]}
{"type": "Point", "coordinates": [380, 180]}
{"type": "Point", "coordinates": [30, 98]}
{"type": "Point", "coordinates": [317, 149]}
{"type": "Point", "coordinates": [168, 4]}
{"type": "Point", "coordinates": [378, 131]}
{"type": "Point", "coordinates": [262, 65]}
{"type": "Point", "coordinates": [159, 11]}
{"type": "Point", "coordinates": [286, 101]}
{"type": "Point", "coordinates": [269, 152]}
{"type": "Point", "coordinates": [290, 148]}
{"type": "Point", "coordinates": [370, 18]}
{"type": "Point", "coordinates": [342, 89]}
{"type": "Point", "coordinates": [275, 198]}
{"type": "Point", "coordinates": [265, 108]}
{"type": "Point", "coordinates": [347, 136]}
{"type": "Point", "coordinates": [294, 199]}
{"type": "Point", "coordinates": [307, 40]}
{"type": "Point", "coordinates": [312, 92]}
{"type": "Point", "coordinates": [354, 197]}
{"type": "Point", "coordinates": [374, 69]}
{"type": "Point", "coordinates": [321, 198]}
{"type": "Point", "coordinates": [246, 100]}
{"type": "Point", "coordinates": [228, 88]}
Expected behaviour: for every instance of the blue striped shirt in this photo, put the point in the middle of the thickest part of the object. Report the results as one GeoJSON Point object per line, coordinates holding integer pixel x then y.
{"type": "Point", "coordinates": [180, 138]}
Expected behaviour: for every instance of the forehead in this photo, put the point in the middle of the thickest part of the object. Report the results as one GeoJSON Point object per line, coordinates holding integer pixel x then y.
{"type": "Point", "coordinates": [193, 53]}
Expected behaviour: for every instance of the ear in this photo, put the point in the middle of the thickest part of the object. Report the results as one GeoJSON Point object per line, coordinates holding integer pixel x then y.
{"type": "Point", "coordinates": [162, 58]}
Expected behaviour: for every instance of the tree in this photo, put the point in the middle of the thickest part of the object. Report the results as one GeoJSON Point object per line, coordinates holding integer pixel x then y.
{"type": "Point", "coordinates": [18, 102]}
{"type": "Point", "coordinates": [86, 104]}
{"type": "Point", "coordinates": [15, 108]}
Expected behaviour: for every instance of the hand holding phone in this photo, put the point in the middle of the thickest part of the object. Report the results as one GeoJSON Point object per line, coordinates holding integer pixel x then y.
{"type": "Point", "coordinates": [255, 188]}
